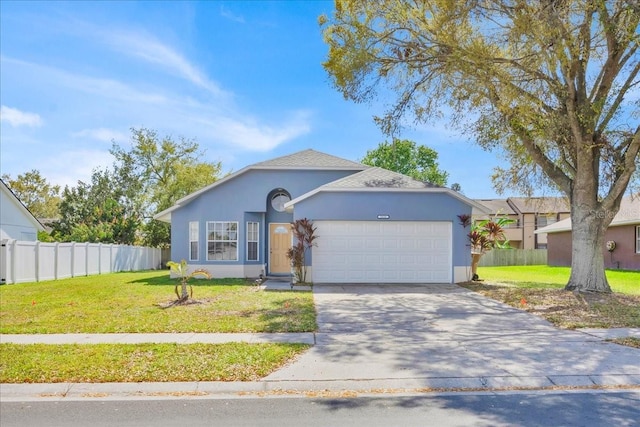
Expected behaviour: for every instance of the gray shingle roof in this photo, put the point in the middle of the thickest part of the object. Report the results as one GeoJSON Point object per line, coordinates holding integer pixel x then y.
{"type": "Point", "coordinates": [497, 206]}
{"type": "Point", "coordinates": [540, 204]}
{"type": "Point", "coordinates": [375, 177]}
{"type": "Point", "coordinates": [309, 159]}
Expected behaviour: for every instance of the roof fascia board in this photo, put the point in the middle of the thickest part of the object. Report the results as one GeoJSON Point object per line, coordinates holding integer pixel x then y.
{"type": "Point", "coordinates": [444, 190]}
{"type": "Point", "coordinates": [21, 206]}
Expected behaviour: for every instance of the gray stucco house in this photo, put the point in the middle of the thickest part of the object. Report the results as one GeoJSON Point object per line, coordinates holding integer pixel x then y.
{"type": "Point", "coordinates": [373, 225]}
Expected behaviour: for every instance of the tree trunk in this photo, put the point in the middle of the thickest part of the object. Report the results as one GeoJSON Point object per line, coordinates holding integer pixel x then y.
{"type": "Point", "coordinates": [475, 260]}
{"type": "Point", "coordinates": [185, 292]}
{"type": "Point", "coordinates": [587, 258]}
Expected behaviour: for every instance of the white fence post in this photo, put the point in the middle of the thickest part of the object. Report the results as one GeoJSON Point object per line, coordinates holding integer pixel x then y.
{"type": "Point", "coordinates": [14, 260]}
{"type": "Point", "coordinates": [37, 261]}
{"type": "Point", "coordinates": [4, 262]}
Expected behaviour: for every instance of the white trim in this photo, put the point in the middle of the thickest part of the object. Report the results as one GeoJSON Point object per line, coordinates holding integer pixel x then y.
{"type": "Point", "coordinates": [442, 190]}
{"type": "Point", "coordinates": [197, 240]}
{"type": "Point", "coordinates": [21, 206]}
{"type": "Point", "coordinates": [461, 273]}
{"type": "Point", "coordinates": [257, 241]}
{"type": "Point", "coordinates": [638, 239]}
{"type": "Point", "coordinates": [224, 271]}
{"type": "Point", "coordinates": [237, 258]}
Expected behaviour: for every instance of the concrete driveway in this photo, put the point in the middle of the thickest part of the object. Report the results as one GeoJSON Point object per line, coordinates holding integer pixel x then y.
{"type": "Point", "coordinates": [446, 337]}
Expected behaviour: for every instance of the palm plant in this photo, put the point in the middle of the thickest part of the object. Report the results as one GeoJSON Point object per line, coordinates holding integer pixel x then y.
{"type": "Point", "coordinates": [484, 236]}
{"type": "Point", "coordinates": [304, 233]}
{"type": "Point", "coordinates": [182, 271]}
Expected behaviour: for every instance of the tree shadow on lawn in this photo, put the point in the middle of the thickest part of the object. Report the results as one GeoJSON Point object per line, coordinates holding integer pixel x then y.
{"type": "Point", "coordinates": [293, 315]}
{"type": "Point", "coordinates": [165, 280]}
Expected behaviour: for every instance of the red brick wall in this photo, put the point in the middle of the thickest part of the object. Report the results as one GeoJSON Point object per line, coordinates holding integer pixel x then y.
{"type": "Point", "coordinates": [623, 257]}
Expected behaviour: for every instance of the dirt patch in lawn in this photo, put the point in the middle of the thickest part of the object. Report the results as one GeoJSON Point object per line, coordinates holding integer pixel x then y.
{"type": "Point", "coordinates": [567, 309]}
{"type": "Point", "coordinates": [629, 341]}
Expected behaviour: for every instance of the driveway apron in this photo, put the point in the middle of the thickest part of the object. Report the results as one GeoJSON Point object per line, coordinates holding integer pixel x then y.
{"type": "Point", "coordinates": [435, 332]}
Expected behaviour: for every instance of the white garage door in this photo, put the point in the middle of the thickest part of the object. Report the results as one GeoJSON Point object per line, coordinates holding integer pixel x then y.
{"type": "Point", "coordinates": [382, 252]}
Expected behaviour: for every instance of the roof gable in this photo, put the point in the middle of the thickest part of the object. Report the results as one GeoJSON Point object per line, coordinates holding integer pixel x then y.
{"type": "Point", "coordinates": [378, 179]}
{"type": "Point", "coordinates": [302, 160]}
{"type": "Point", "coordinates": [10, 195]}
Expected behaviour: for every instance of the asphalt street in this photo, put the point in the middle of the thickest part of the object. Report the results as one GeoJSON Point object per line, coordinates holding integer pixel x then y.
{"type": "Point", "coordinates": [601, 408]}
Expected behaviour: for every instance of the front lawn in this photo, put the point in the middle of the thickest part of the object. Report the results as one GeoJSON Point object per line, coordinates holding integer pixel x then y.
{"type": "Point", "coordinates": [542, 276]}
{"type": "Point", "coordinates": [97, 363]}
{"type": "Point", "coordinates": [539, 290]}
{"type": "Point", "coordinates": [128, 303]}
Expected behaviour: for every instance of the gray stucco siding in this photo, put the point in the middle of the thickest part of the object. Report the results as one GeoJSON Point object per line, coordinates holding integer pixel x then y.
{"type": "Point", "coordinates": [234, 200]}
{"type": "Point", "coordinates": [400, 206]}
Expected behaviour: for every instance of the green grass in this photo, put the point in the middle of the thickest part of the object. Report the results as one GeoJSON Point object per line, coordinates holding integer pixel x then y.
{"type": "Point", "coordinates": [128, 303]}
{"type": "Point", "coordinates": [95, 363]}
{"type": "Point", "coordinates": [541, 276]}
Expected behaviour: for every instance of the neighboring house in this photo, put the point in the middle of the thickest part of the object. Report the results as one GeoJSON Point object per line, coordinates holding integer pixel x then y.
{"type": "Point", "coordinates": [16, 222]}
{"type": "Point", "coordinates": [373, 225]}
{"type": "Point", "coordinates": [529, 214]}
{"type": "Point", "coordinates": [624, 230]}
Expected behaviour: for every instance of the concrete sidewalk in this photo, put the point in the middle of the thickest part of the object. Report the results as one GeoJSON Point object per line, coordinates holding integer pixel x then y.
{"type": "Point", "coordinates": [179, 338]}
{"type": "Point", "coordinates": [393, 338]}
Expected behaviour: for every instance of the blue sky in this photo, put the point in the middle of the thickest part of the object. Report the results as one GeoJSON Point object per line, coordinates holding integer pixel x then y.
{"type": "Point", "coordinates": [243, 79]}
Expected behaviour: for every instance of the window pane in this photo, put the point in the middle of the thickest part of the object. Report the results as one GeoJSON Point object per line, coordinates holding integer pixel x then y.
{"type": "Point", "coordinates": [252, 251]}
{"type": "Point", "coordinates": [193, 230]}
{"type": "Point", "coordinates": [222, 241]}
{"type": "Point", "coordinates": [193, 256]}
{"type": "Point", "coordinates": [194, 227]}
{"type": "Point", "coordinates": [252, 241]}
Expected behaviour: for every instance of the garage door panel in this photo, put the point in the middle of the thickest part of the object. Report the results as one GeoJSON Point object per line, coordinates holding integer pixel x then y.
{"type": "Point", "coordinates": [382, 252]}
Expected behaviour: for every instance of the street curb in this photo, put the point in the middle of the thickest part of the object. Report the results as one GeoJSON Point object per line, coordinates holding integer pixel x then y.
{"type": "Point", "coordinates": [324, 388]}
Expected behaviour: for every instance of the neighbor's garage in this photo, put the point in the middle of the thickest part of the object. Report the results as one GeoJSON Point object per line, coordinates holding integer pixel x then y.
{"type": "Point", "coordinates": [382, 252]}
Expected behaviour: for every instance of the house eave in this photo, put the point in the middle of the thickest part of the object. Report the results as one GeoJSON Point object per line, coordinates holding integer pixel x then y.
{"type": "Point", "coordinates": [290, 205]}
{"type": "Point", "coordinates": [550, 229]}
{"type": "Point", "coordinates": [22, 207]}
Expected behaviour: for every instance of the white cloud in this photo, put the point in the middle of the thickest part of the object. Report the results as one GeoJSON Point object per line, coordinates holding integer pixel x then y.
{"type": "Point", "coordinates": [152, 50]}
{"type": "Point", "coordinates": [101, 134]}
{"type": "Point", "coordinates": [106, 88]}
{"type": "Point", "coordinates": [253, 136]}
{"type": "Point", "coordinates": [16, 118]}
{"type": "Point", "coordinates": [226, 13]}
{"type": "Point", "coordinates": [69, 167]}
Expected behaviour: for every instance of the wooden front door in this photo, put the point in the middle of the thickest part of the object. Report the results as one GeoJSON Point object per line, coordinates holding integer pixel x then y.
{"type": "Point", "coordinates": [279, 244]}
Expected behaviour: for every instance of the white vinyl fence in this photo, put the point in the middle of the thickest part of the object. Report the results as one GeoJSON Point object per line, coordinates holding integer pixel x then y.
{"type": "Point", "coordinates": [22, 261]}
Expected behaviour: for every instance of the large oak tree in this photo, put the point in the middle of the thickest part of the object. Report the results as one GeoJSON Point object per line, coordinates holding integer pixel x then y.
{"type": "Point", "coordinates": [552, 84]}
